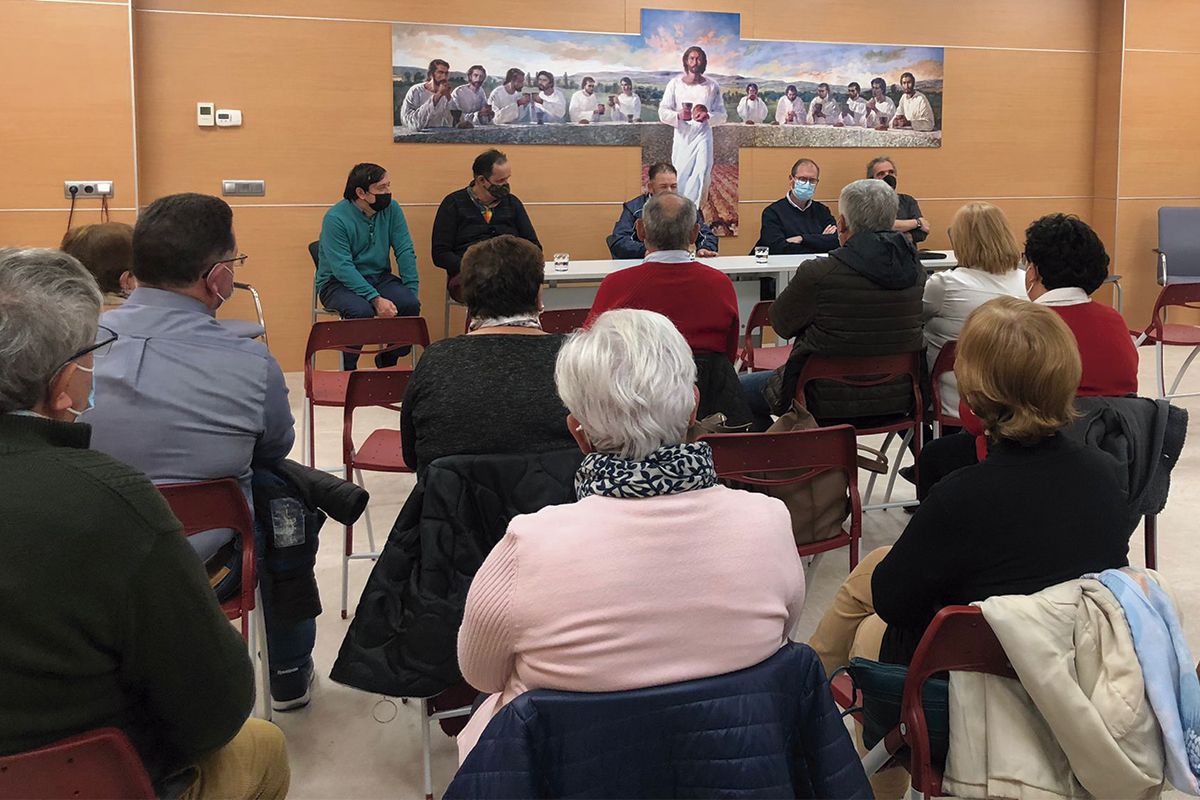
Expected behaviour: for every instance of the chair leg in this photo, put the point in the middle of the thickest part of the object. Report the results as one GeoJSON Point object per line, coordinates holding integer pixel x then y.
{"type": "Point", "coordinates": [1119, 295]}
{"type": "Point", "coordinates": [1187, 362]}
{"type": "Point", "coordinates": [312, 436]}
{"type": "Point", "coordinates": [446, 332]}
{"type": "Point", "coordinates": [887, 498]}
{"type": "Point", "coordinates": [871, 481]}
{"type": "Point", "coordinates": [1158, 365]}
{"type": "Point", "coordinates": [426, 749]}
{"type": "Point", "coordinates": [346, 550]}
{"type": "Point", "coordinates": [1151, 536]}
{"type": "Point", "coordinates": [264, 657]}
{"type": "Point", "coordinates": [366, 512]}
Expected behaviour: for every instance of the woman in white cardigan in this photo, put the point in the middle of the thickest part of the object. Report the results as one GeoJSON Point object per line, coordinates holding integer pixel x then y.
{"type": "Point", "coordinates": [988, 256]}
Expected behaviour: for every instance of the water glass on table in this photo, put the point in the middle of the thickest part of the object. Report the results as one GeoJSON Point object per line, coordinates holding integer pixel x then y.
{"type": "Point", "coordinates": [562, 261]}
{"type": "Point", "coordinates": [760, 254]}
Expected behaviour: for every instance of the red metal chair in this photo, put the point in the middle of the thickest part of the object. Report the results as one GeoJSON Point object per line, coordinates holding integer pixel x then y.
{"type": "Point", "coordinates": [803, 455]}
{"type": "Point", "coordinates": [959, 640]}
{"type": "Point", "coordinates": [381, 452]}
{"type": "Point", "coordinates": [366, 337]}
{"type": "Point", "coordinates": [564, 320]}
{"type": "Point", "coordinates": [864, 371]}
{"type": "Point", "coordinates": [761, 359]}
{"type": "Point", "coordinates": [96, 765]}
{"type": "Point", "coordinates": [1159, 333]}
{"type": "Point", "coordinates": [211, 505]}
{"type": "Point", "coordinates": [943, 364]}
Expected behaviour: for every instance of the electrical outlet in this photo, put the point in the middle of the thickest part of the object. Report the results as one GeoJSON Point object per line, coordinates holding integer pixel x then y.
{"type": "Point", "coordinates": [237, 188]}
{"type": "Point", "coordinates": [88, 189]}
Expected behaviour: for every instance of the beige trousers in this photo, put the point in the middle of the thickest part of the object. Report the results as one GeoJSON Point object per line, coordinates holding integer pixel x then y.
{"type": "Point", "coordinates": [852, 629]}
{"type": "Point", "coordinates": [252, 766]}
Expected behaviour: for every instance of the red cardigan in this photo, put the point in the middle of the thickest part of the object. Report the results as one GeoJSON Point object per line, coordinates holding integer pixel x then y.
{"type": "Point", "coordinates": [700, 301]}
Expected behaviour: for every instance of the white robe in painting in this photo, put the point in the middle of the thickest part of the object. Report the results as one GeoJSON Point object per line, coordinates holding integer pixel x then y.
{"type": "Point", "coordinates": [583, 106]}
{"type": "Point", "coordinates": [854, 113]}
{"type": "Point", "coordinates": [505, 107]}
{"type": "Point", "coordinates": [469, 101]}
{"type": "Point", "coordinates": [881, 117]}
{"type": "Point", "coordinates": [829, 108]}
{"type": "Point", "coordinates": [917, 111]}
{"type": "Point", "coordinates": [553, 106]}
{"type": "Point", "coordinates": [752, 110]}
{"type": "Point", "coordinates": [627, 105]}
{"type": "Point", "coordinates": [692, 150]}
{"type": "Point", "coordinates": [797, 108]}
{"type": "Point", "coordinates": [424, 109]}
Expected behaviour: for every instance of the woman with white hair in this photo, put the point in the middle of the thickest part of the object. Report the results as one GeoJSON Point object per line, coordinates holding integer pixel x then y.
{"type": "Point", "coordinates": [657, 574]}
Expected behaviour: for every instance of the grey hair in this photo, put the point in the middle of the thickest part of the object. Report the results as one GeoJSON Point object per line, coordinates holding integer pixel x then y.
{"type": "Point", "coordinates": [49, 310]}
{"type": "Point", "coordinates": [670, 219]}
{"type": "Point", "coordinates": [879, 160]}
{"type": "Point", "coordinates": [629, 380]}
{"type": "Point", "coordinates": [868, 205]}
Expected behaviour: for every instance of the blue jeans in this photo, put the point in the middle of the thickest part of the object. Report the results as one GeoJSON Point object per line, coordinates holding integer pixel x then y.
{"type": "Point", "coordinates": [753, 384]}
{"type": "Point", "coordinates": [349, 305]}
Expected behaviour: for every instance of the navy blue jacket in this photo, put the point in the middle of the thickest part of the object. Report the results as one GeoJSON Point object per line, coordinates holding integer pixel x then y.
{"type": "Point", "coordinates": [624, 242]}
{"type": "Point", "coordinates": [770, 730]}
{"type": "Point", "coordinates": [782, 220]}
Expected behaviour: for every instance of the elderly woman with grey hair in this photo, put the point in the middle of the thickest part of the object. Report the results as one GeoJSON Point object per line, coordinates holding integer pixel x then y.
{"type": "Point", "coordinates": [592, 596]}
{"type": "Point", "coordinates": [862, 299]}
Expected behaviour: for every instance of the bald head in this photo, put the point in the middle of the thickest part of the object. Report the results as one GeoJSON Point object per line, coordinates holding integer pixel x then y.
{"type": "Point", "coordinates": [669, 222]}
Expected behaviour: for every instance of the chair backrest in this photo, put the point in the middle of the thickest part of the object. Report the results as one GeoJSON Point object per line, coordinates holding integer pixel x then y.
{"type": "Point", "coordinates": [1185, 295]}
{"type": "Point", "coordinates": [96, 765]}
{"type": "Point", "coordinates": [213, 505]}
{"type": "Point", "coordinates": [863, 371]}
{"type": "Point", "coordinates": [564, 320]}
{"type": "Point", "coordinates": [1178, 244]}
{"type": "Point", "coordinates": [367, 337]}
{"type": "Point", "coordinates": [760, 317]}
{"type": "Point", "coordinates": [381, 387]}
{"type": "Point", "coordinates": [942, 364]}
{"type": "Point", "coordinates": [958, 639]}
{"type": "Point", "coordinates": [314, 250]}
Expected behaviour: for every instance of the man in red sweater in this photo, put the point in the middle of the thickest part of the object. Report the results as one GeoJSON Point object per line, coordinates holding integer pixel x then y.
{"type": "Point", "coordinates": [700, 300]}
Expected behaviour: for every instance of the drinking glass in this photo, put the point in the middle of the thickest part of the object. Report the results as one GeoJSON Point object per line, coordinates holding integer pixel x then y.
{"type": "Point", "coordinates": [562, 261]}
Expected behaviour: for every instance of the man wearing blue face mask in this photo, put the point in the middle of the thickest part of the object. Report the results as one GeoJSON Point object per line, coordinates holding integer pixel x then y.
{"type": "Point", "coordinates": [797, 224]}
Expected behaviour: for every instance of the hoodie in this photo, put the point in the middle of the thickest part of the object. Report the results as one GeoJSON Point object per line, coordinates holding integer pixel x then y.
{"type": "Point", "coordinates": [863, 299]}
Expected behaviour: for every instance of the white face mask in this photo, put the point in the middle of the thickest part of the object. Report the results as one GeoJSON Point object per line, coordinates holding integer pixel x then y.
{"type": "Point", "coordinates": [91, 400]}
{"type": "Point", "coordinates": [224, 299]}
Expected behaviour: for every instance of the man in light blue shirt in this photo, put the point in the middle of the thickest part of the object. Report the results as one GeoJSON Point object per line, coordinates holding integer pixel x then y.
{"type": "Point", "coordinates": [354, 273]}
{"type": "Point", "coordinates": [185, 399]}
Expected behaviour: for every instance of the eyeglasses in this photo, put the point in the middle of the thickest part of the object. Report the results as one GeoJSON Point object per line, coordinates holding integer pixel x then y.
{"type": "Point", "coordinates": [236, 262]}
{"type": "Point", "coordinates": [813, 181]}
{"type": "Point", "coordinates": [104, 340]}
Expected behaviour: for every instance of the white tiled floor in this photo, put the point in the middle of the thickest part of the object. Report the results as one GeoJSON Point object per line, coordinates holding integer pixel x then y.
{"type": "Point", "coordinates": [338, 747]}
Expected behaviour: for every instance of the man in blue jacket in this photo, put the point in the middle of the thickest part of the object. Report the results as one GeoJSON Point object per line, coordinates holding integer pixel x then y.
{"type": "Point", "coordinates": [624, 241]}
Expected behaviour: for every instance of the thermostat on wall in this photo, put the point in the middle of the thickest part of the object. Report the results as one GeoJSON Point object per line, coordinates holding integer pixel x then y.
{"type": "Point", "coordinates": [205, 115]}
{"type": "Point", "coordinates": [228, 117]}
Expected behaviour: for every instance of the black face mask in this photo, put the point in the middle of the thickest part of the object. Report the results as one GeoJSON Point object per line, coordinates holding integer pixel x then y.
{"type": "Point", "coordinates": [499, 190]}
{"type": "Point", "coordinates": [382, 201]}
{"type": "Point", "coordinates": [890, 180]}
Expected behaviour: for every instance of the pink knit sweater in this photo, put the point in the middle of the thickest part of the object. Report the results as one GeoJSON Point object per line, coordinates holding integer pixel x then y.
{"type": "Point", "coordinates": [608, 594]}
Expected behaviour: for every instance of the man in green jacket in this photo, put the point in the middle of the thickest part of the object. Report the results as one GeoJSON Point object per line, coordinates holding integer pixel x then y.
{"type": "Point", "coordinates": [106, 614]}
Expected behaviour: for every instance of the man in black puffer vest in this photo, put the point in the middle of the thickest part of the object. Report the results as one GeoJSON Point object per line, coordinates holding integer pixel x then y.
{"type": "Point", "coordinates": [863, 299]}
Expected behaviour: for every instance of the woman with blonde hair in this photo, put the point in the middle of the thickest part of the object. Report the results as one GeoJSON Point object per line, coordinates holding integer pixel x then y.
{"type": "Point", "coordinates": [1039, 510]}
{"type": "Point", "coordinates": [988, 256]}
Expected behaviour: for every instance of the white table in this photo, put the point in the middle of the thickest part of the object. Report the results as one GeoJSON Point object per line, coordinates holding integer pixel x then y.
{"type": "Point", "coordinates": [561, 294]}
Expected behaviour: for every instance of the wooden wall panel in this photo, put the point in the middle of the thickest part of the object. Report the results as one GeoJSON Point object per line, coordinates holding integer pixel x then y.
{"type": "Point", "coordinates": [1163, 25]}
{"type": "Point", "coordinates": [64, 118]}
{"type": "Point", "coordinates": [1160, 135]}
{"type": "Point", "coordinates": [46, 228]}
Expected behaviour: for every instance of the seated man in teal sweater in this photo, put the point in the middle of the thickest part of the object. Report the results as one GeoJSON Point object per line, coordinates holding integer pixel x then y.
{"type": "Point", "coordinates": [354, 273]}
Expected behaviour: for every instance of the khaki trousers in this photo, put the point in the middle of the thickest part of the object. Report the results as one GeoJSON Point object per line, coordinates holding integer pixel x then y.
{"type": "Point", "coordinates": [852, 629]}
{"type": "Point", "coordinates": [252, 766]}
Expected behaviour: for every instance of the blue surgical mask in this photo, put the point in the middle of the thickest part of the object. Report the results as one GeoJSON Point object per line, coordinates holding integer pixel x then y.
{"type": "Point", "coordinates": [803, 190]}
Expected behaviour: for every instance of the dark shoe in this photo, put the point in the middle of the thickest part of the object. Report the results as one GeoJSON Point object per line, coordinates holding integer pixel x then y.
{"type": "Point", "coordinates": [909, 474]}
{"type": "Point", "coordinates": [291, 688]}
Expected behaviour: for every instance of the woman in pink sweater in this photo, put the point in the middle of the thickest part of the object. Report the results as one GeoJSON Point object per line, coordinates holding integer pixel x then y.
{"type": "Point", "coordinates": [657, 574]}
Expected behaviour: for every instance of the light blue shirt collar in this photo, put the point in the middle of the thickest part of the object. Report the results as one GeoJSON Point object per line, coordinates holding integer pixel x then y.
{"type": "Point", "coordinates": [164, 298]}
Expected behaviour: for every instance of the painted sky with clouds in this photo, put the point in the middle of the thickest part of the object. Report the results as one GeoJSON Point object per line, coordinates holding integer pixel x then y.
{"type": "Point", "coordinates": [664, 37]}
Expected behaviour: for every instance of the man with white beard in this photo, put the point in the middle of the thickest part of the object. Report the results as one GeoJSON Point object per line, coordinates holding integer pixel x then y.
{"type": "Point", "coordinates": [692, 104]}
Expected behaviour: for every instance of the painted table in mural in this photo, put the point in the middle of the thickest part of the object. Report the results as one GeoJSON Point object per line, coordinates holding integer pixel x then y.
{"type": "Point", "coordinates": [563, 289]}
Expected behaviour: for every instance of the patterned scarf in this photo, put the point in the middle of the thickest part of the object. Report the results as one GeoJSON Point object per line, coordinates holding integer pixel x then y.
{"type": "Point", "coordinates": [515, 321]}
{"type": "Point", "coordinates": [668, 470]}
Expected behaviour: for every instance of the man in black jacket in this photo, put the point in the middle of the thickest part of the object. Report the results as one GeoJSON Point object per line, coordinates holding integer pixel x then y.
{"type": "Point", "coordinates": [863, 299]}
{"type": "Point", "coordinates": [486, 208]}
{"type": "Point", "coordinates": [908, 216]}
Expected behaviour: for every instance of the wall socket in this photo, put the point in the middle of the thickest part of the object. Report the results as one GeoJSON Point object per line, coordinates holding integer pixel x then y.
{"type": "Point", "coordinates": [88, 189]}
{"type": "Point", "coordinates": [236, 188]}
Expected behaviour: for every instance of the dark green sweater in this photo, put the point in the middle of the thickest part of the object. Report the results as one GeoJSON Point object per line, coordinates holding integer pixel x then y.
{"type": "Point", "coordinates": [106, 615]}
